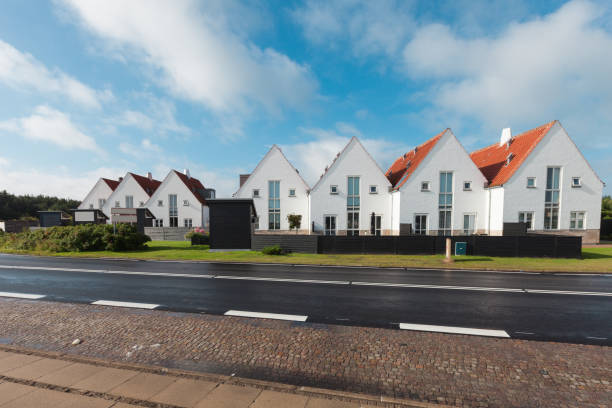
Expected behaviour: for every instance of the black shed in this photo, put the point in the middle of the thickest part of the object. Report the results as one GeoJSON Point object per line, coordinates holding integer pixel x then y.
{"type": "Point", "coordinates": [231, 223]}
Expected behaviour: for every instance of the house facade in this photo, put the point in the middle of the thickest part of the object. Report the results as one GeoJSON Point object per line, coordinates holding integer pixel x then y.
{"type": "Point", "coordinates": [541, 178]}
{"type": "Point", "coordinates": [99, 194]}
{"type": "Point", "coordinates": [133, 191]}
{"type": "Point", "coordinates": [278, 190]}
{"type": "Point", "coordinates": [180, 201]}
{"type": "Point", "coordinates": [352, 197]}
{"type": "Point", "coordinates": [438, 190]}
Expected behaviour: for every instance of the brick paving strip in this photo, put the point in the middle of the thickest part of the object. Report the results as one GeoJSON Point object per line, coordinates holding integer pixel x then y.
{"type": "Point", "coordinates": [455, 370]}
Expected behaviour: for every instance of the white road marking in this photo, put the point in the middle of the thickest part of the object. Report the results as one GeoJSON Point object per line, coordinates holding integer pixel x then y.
{"type": "Point", "coordinates": [44, 268]}
{"type": "Point", "coordinates": [21, 295]}
{"type": "Point", "coordinates": [454, 330]}
{"type": "Point", "coordinates": [597, 338]}
{"type": "Point", "coordinates": [242, 313]}
{"type": "Point", "coordinates": [124, 304]}
{"type": "Point", "coordinates": [522, 332]}
{"type": "Point", "coordinates": [567, 292]}
{"type": "Point", "coordinates": [254, 278]}
{"type": "Point", "coordinates": [410, 285]}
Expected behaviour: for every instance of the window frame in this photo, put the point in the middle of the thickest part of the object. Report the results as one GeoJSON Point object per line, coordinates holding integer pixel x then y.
{"type": "Point", "coordinates": [188, 222]}
{"type": "Point", "coordinates": [421, 230]}
{"type": "Point", "coordinates": [173, 210]}
{"type": "Point", "coordinates": [428, 189]}
{"type": "Point", "coordinates": [129, 199]}
{"type": "Point", "coordinates": [466, 231]}
{"type": "Point", "coordinates": [330, 231]}
{"type": "Point", "coordinates": [534, 182]}
{"type": "Point", "coordinates": [255, 193]}
{"type": "Point", "coordinates": [574, 219]}
{"type": "Point", "coordinates": [117, 204]}
{"type": "Point", "coordinates": [160, 203]}
{"type": "Point", "coordinates": [552, 205]}
{"type": "Point", "coordinates": [531, 223]}
{"type": "Point", "coordinates": [445, 211]}
{"type": "Point", "coordinates": [294, 192]}
{"type": "Point", "coordinates": [274, 218]}
{"type": "Point", "coordinates": [574, 185]}
{"type": "Point", "coordinates": [333, 187]}
{"type": "Point", "coordinates": [469, 183]}
{"type": "Point", "coordinates": [375, 189]}
{"type": "Point", "coordinates": [353, 205]}
{"type": "Point", "coordinates": [185, 203]}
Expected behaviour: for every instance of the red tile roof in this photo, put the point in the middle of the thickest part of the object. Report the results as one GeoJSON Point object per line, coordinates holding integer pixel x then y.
{"type": "Point", "coordinates": [148, 185]}
{"type": "Point", "coordinates": [491, 160]}
{"type": "Point", "coordinates": [111, 183]}
{"type": "Point", "coordinates": [400, 171]}
{"type": "Point", "coordinates": [194, 185]}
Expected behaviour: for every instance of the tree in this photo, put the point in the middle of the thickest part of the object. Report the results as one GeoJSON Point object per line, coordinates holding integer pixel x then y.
{"type": "Point", "coordinates": [26, 206]}
{"type": "Point", "coordinates": [295, 222]}
{"type": "Point", "coordinates": [606, 207]}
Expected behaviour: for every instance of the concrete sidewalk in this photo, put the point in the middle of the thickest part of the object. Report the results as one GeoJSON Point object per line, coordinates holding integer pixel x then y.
{"type": "Point", "coordinates": [39, 380]}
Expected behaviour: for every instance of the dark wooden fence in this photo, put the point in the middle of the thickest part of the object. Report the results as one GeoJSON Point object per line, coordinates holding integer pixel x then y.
{"type": "Point", "coordinates": [553, 246]}
{"type": "Point", "coordinates": [606, 227]}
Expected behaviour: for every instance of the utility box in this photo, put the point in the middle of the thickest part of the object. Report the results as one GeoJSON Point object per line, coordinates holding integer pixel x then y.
{"type": "Point", "coordinates": [460, 248]}
{"type": "Point", "coordinates": [231, 223]}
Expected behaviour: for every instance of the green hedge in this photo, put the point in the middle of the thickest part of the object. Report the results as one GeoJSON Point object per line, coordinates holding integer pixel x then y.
{"type": "Point", "coordinates": [77, 238]}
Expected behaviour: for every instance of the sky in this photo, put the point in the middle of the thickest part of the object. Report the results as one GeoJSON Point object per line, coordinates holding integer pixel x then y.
{"type": "Point", "coordinates": [93, 89]}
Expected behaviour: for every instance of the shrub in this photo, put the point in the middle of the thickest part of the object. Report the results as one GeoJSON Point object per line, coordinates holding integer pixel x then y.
{"type": "Point", "coordinates": [273, 250]}
{"type": "Point", "coordinates": [78, 238]}
{"type": "Point", "coordinates": [198, 236]}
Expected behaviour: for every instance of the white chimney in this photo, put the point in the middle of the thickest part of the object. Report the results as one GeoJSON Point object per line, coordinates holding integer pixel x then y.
{"type": "Point", "coordinates": [186, 172]}
{"type": "Point", "coordinates": [506, 136]}
{"type": "Point", "coordinates": [149, 176]}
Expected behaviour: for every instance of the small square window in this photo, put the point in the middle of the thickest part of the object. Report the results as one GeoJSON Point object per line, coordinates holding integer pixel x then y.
{"type": "Point", "coordinates": [141, 203]}
{"type": "Point", "coordinates": [91, 206]}
{"type": "Point", "coordinates": [292, 192]}
{"type": "Point", "coordinates": [256, 193]}
{"type": "Point", "coordinates": [467, 186]}
{"type": "Point", "coordinates": [576, 182]}
{"type": "Point", "coordinates": [373, 189]}
{"type": "Point", "coordinates": [531, 182]}
{"type": "Point", "coordinates": [117, 204]}
{"type": "Point", "coordinates": [425, 186]}
{"type": "Point", "coordinates": [185, 203]}
{"type": "Point", "coordinates": [188, 222]}
{"type": "Point", "coordinates": [333, 189]}
{"type": "Point", "coordinates": [160, 203]}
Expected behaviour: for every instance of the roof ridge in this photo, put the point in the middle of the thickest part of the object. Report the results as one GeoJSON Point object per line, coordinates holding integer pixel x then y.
{"type": "Point", "coordinates": [517, 136]}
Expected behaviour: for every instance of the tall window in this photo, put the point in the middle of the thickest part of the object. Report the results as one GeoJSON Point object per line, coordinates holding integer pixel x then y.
{"type": "Point", "coordinates": [352, 207]}
{"type": "Point", "coordinates": [420, 224]}
{"type": "Point", "coordinates": [101, 203]}
{"type": "Point", "coordinates": [526, 217]}
{"type": "Point", "coordinates": [330, 225]}
{"type": "Point", "coordinates": [129, 201]}
{"type": "Point", "coordinates": [468, 223]}
{"type": "Point", "coordinates": [274, 204]}
{"type": "Point", "coordinates": [173, 210]}
{"type": "Point", "coordinates": [577, 220]}
{"type": "Point", "coordinates": [377, 225]}
{"type": "Point", "coordinates": [551, 202]}
{"type": "Point", "coordinates": [445, 203]}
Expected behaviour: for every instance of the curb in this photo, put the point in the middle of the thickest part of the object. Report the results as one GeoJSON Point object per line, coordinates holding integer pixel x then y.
{"type": "Point", "coordinates": [374, 400]}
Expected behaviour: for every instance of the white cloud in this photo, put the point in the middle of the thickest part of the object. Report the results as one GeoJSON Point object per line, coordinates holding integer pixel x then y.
{"type": "Point", "coordinates": [22, 70]}
{"type": "Point", "coordinates": [145, 148]}
{"type": "Point", "coordinates": [199, 52]}
{"type": "Point", "coordinates": [4, 162]}
{"type": "Point", "coordinates": [50, 125]}
{"type": "Point", "coordinates": [135, 119]}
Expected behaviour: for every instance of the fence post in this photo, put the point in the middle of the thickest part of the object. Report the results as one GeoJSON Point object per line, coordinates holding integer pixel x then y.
{"type": "Point", "coordinates": [449, 244]}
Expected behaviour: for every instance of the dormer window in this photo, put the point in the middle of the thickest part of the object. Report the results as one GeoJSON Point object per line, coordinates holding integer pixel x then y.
{"type": "Point", "coordinates": [333, 189]}
{"type": "Point", "coordinates": [373, 189]}
{"type": "Point", "coordinates": [425, 186]}
{"type": "Point", "coordinates": [256, 193]}
{"type": "Point", "coordinates": [576, 182]}
{"type": "Point", "coordinates": [531, 182]}
{"type": "Point", "coordinates": [509, 158]}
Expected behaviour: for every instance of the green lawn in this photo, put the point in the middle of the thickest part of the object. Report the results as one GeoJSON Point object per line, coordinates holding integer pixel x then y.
{"type": "Point", "coordinates": [595, 259]}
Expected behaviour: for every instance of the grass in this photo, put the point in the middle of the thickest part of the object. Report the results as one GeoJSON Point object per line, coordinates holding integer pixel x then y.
{"type": "Point", "coordinates": [594, 259]}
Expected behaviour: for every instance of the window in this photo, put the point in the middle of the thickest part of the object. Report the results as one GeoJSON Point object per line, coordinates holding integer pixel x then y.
{"type": "Point", "coordinates": [129, 201]}
{"type": "Point", "coordinates": [330, 225]}
{"type": "Point", "coordinates": [91, 206]}
{"type": "Point", "coordinates": [256, 222]}
{"type": "Point", "coordinates": [185, 203]}
{"type": "Point", "coordinates": [551, 201]}
{"type": "Point", "coordinates": [373, 189]}
{"type": "Point", "coordinates": [173, 210]}
{"type": "Point", "coordinates": [577, 220]}
{"type": "Point", "coordinates": [375, 225]}
{"type": "Point", "coordinates": [141, 204]}
{"type": "Point", "coordinates": [333, 189]}
{"type": "Point", "coordinates": [352, 206]}
{"type": "Point", "coordinates": [274, 205]}
{"type": "Point", "coordinates": [469, 220]}
{"type": "Point", "coordinates": [101, 203]}
{"type": "Point", "coordinates": [445, 203]}
{"type": "Point", "coordinates": [188, 222]}
{"type": "Point", "coordinates": [159, 222]}
{"type": "Point", "coordinates": [256, 193]}
{"type": "Point", "coordinates": [526, 217]}
{"type": "Point", "coordinates": [292, 192]}
{"type": "Point", "coordinates": [531, 182]}
{"type": "Point", "coordinates": [467, 186]}
{"type": "Point", "coordinates": [117, 204]}
{"type": "Point", "coordinates": [425, 186]}
{"type": "Point", "coordinates": [420, 224]}
{"type": "Point", "coordinates": [160, 203]}
{"type": "Point", "coordinates": [576, 182]}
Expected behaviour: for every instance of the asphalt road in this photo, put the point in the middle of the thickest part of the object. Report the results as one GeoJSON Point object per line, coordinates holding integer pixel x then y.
{"type": "Point", "coordinates": [533, 306]}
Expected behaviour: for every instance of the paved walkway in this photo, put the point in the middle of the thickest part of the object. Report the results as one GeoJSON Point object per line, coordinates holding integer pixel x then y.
{"type": "Point", "coordinates": [33, 381]}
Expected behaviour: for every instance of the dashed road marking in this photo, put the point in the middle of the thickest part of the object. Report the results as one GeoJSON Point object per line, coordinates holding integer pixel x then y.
{"type": "Point", "coordinates": [454, 330]}
{"type": "Point", "coordinates": [567, 292]}
{"type": "Point", "coordinates": [125, 304]}
{"type": "Point", "coordinates": [597, 338]}
{"type": "Point", "coordinates": [242, 313]}
{"type": "Point", "coordinates": [290, 280]}
{"type": "Point", "coordinates": [21, 295]}
{"type": "Point", "coordinates": [417, 286]}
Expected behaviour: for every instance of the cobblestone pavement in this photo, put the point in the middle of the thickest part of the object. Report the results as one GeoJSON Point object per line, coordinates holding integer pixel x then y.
{"type": "Point", "coordinates": [449, 369]}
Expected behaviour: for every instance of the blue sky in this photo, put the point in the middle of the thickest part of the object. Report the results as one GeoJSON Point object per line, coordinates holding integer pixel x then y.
{"type": "Point", "coordinates": [91, 89]}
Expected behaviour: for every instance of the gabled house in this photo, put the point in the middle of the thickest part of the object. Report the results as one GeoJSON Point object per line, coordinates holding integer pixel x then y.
{"type": "Point", "coordinates": [540, 177]}
{"type": "Point", "coordinates": [438, 190]}
{"type": "Point", "coordinates": [133, 191]}
{"type": "Point", "coordinates": [352, 196]}
{"type": "Point", "coordinates": [278, 190]}
{"type": "Point", "coordinates": [180, 201]}
{"type": "Point", "coordinates": [97, 197]}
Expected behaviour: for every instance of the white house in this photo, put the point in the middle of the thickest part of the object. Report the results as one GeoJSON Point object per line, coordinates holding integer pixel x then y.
{"type": "Point", "coordinates": [437, 189]}
{"type": "Point", "coordinates": [277, 190]}
{"type": "Point", "coordinates": [352, 197]}
{"type": "Point", "coordinates": [180, 201]}
{"type": "Point", "coordinates": [133, 191]}
{"type": "Point", "coordinates": [540, 177]}
{"type": "Point", "coordinates": [99, 194]}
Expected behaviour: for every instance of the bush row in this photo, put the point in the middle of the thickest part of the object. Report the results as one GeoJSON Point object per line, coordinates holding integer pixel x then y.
{"type": "Point", "coordinates": [87, 237]}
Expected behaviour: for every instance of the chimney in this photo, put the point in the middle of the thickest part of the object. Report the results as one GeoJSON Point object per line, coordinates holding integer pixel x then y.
{"type": "Point", "coordinates": [149, 176]}
{"type": "Point", "coordinates": [243, 178]}
{"type": "Point", "coordinates": [186, 172]}
{"type": "Point", "coordinates": [120, 179]}
{"type": "Point", "coordinates": [506, 136]}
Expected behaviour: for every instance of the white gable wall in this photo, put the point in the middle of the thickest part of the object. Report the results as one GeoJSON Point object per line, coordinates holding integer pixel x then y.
{"type": "Point", "coordinates": [128, 186]}
{"type": "Point", "coordinates": [353, 161]}
{"type": "Point", "coordinates": [101, 190]}
{"type": "Point", "coordinates": [556, 149]}
{"type": "Point", "coordinates": [195, 211]}
{"type": "Point", "coordinates": [446, 155]}
{"type": "Point", "coordinates": [274, 166]}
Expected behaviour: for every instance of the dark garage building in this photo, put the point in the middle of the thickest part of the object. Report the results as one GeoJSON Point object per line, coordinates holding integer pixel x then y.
{"type": "Point", "coordinates": [231, 223]}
